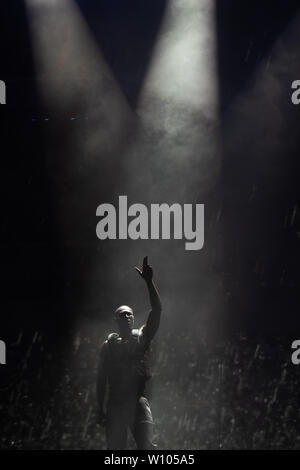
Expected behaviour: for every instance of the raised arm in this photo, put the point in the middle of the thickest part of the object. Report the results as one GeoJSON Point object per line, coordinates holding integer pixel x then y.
{"type": "Point", "coordinates": [154, 317]}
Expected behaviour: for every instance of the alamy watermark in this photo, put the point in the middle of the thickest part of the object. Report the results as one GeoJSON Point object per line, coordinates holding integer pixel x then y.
{"type": "Point", "coordinates": [295, 357]}
{"type": "Point", "coordinates": [295, 97]}
{"type": "Point", "coordinates": [2, 353]}
{"type": "Point", "coordinates": [159, 221]}
{"type": "Point", "coordinates": [2, 92]}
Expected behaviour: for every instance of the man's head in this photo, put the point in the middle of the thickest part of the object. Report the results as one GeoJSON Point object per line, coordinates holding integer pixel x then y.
{"type": "Point", "coordinates": [124, 318]}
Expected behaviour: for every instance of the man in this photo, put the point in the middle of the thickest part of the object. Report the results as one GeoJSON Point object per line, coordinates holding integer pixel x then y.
{"type": "Point", "coordinates": [123, 367]}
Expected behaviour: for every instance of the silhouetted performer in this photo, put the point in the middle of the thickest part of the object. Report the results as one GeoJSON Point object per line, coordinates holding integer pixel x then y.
{"type": "Point", "coordinates": [123, 367]}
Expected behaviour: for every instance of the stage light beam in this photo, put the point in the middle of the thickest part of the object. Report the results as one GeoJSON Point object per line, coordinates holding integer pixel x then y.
{"type": "Point", "coordinates": [71, 71]}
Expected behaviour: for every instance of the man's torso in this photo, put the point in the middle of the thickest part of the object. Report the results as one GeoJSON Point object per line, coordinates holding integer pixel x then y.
{"type": "Point", "coordinates": [127, 365]}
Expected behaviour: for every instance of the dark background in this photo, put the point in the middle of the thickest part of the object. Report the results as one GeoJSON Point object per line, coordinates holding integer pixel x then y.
{"type": "Point", "coordinates": [50, 294]}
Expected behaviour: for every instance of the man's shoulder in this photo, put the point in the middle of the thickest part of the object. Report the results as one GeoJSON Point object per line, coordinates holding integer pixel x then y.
{"type": "Point", "coordinates": [140, 334]}
{"type": "Point", "coordinates": [137, 331]}
{"type": "Point", "coordinates": [111, 339]}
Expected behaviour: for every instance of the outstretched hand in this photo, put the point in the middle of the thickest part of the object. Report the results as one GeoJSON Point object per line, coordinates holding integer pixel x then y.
{"type": "Point", "coordinates": [146, 273]}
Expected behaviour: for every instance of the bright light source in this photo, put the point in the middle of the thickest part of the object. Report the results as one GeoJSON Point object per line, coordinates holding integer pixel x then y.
{"type": "Point", "coordinates": [183, 67]}
{"type": "Point", "coordinates": [70, 67]}
{"type": "Point", "coordinates": [179, 102]}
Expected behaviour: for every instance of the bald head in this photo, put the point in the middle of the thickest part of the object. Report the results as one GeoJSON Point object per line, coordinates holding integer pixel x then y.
{"type": "Point", "coordinates": [122, 310]}
{"type": "Point", "coordinates": [124, 318]}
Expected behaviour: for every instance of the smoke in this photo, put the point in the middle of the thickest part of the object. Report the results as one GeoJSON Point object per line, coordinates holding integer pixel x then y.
{"type": "Point", "coordinates": [168, 152]}
{"type": "Point", "coordinates": [260, 148]}
{"type": "Point", "coordinates": [259, 124]}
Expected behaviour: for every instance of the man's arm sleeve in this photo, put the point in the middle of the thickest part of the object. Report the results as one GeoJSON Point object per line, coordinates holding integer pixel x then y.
{"type": "Point", "coordinates": [153, 321]}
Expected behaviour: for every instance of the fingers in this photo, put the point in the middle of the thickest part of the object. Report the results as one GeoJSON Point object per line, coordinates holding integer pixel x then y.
{"type": "Point", "coordinates": [145, 267]}
{"type": "Point", "coordinates": [139, 271]}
